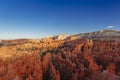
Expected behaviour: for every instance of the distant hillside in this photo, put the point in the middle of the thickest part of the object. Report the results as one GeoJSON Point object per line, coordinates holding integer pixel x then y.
{"type": "Point", "coordinates": [111, 35]}
{"type": "Point", "coordinates": [98, 35]}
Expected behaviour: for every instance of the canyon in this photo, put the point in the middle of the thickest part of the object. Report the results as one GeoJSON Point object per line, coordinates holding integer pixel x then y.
{"type": "Point", "coordinates": [85, 56]}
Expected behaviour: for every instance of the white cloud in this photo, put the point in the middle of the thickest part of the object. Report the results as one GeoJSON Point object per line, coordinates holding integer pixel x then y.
{"type": "Point", "coordinates": [110, 27]}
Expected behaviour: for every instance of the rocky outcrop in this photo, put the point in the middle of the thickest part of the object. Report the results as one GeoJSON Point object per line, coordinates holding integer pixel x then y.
{"type": "Point", "coordinates": [61, 36]}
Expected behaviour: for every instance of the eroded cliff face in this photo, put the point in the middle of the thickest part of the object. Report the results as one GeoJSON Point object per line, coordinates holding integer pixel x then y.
{"type": "Point", "coordinates": [79, 59]}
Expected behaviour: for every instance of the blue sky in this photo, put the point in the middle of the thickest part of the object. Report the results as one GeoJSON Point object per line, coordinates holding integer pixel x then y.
{"type": "Point", "coordinates": [42, 18]}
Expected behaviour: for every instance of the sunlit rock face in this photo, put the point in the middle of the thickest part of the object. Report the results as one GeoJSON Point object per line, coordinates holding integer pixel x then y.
{"type": "Point", "coordinates": [62, 36]}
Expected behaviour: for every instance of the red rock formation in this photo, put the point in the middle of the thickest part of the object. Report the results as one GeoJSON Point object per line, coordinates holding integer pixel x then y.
{"type": "Point", "coordinates": [79, 59]}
